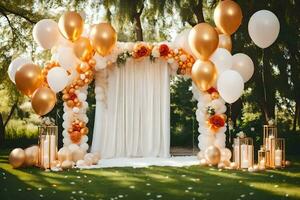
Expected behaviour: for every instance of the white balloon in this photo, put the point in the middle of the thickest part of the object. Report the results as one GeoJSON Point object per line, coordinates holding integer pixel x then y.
{"type": "Point", "coordinates": [101, 62]}
{"type": "Point", "coordinates": [84, 146]}
{"type": "Point", "coordinates": [222, 59]}
{"type": "Point", "coordinates": [263, 28]}
{"type": "Point", "coordinates": [225, 154]}
{"type": "Point", "coordinates": [205, 141]}
{"type": "Point", "coordinates": [46, 33]}
{"type": "Point", "coordinates": [243, 65]}
{"type": "Point", "coordinates": [14, 65]}
{"type": "Point", "coordinates": [73, 147]}
{"type": "Point", "coordinates": [220, 140]}
{"type": "Point", "coordinates": [82, 96]}
{"type": "Point", "coordinates": [84, 139]}
{"type": "Point", "coordinates": [230, 85]}
{"type": "Point", "coordinates": [57, 79]}
{"type": "Point", "coordinates": [66, 58]}
{"type": "Point", "coordinates": [181, 41]}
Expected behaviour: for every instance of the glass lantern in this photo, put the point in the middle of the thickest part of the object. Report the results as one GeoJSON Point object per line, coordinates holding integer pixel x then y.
{"type": "Point", "coordinates": [243, 152]}
{"type": "Point", "coordinates": [277, 153]}
{"type": "Point", "coordinates": [263, 157]}
{"type": "Point", "coordinates": [48, 145]}
{"type": "Point", "coordinates": [270, 132]}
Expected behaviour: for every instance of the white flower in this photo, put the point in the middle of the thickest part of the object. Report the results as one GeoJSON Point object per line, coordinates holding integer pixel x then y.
{"type": "Point", "coordinates": [252, 129]}
{"type": "Point", "coordinates": [155, 52]}
{"type": "Point", "coordinates": [271, 122]}
{"type": "Point", "coordinates": [241, 134]}
{"type": "Point", "coordinates": [183, 58]}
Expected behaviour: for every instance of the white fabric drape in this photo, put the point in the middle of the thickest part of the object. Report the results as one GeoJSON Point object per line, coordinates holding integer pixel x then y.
{"type": "Point", "coordinates": [133, 120]}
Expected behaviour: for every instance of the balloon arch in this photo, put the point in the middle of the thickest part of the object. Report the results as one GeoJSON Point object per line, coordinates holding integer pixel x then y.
{"type": "Point", "coordinates": [202, 53]}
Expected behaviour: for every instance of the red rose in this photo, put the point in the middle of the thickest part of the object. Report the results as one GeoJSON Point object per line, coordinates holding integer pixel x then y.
{"type": "Point", "coordinates": [212, 90]}
{"type": "Point", "coordinates": [216, 121]}
{"type": "Point", "coordinates": [143, 51]}
{"type": "Point", "coordinates": [164, 50]}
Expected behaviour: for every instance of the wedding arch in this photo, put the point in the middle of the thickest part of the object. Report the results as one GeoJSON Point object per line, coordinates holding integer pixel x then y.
{"type": "Point", "coordinates": [133, 103]}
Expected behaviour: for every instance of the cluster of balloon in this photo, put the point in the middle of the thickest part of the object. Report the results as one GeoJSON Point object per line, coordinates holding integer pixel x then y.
{"type": "Point", "coordinates": [28, 157]}
{"type": "Point", "coordinates": [71, 49]}
{"type": "Point", "coordinates": [216, 67]}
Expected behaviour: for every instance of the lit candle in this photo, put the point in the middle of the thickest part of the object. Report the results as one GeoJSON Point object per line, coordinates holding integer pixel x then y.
{"type": "Point", "coordinates": [246, 155]}
{"type": "Point", "coordinates": [52, 148]}
{"type": "Point", "coordinates": [278, 158]}
{"type": "Point", "coordinates": [268, 142]}
{"type": "Point", "coordinates": [262, 163]}
{"type": "Point", "coordinates": [46, 152]}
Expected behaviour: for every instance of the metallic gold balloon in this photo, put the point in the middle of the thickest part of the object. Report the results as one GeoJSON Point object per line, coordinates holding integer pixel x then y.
{"type": "Point", "coordinates": [17, 157]}
{"type": "Point", "coordinates": [225, 42]}
{"type": "Point", "coordinates": [43, 100]}
{"type": "Point", "coordinates": [204, 74]}
{"type": "Point", "coordinates": [83, 49]}
{"type": "Point", "coordinates": [71, 25]}
{"type": "Point", "coordinates": [203, 40]}
{"type": "Point", "coordinates": [228, 16]}
{"type": "Point", "coordinates": [213, 155]}
{"type": "Point", "coordinates": [28, 78]}
{"type": "Point", "coordinates": [103, 38]}
{"type": "Point", "coordinates": [31, 155]}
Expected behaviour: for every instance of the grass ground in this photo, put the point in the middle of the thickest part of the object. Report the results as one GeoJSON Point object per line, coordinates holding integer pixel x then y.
{"type": "Point", "coordinates": [148, 183]}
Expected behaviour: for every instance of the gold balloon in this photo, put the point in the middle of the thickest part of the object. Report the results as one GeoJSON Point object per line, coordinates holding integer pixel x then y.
{"type": "Point", "coordinates": [213, 155]}
{"type": "Point", "coordinates": [83, 49]}
{"type": "Point", "coordinates": [204, 74]}
{"type": "Point", "coordinates": [228, 16]}
{"type": "Point", "coordinates": [225, 42]}
{"type": "Point", "coordinates": [103, 38]}
{"type": "Point", "coordinates": [64, 154]}
{"type": "Point", "coordinates": [67, 164]}
{"type": "Point", "coordinates": [71, 25]}
{"type": "Point", "coordinates": [203, 40]}
{"type": "Point", "coordinates": [31, 155]}
{"type": "Point", "coordinates": [17, 157]}
{"type": "Point", "coordinates": [43, 100]}
{"type": "Point", "coordinates": [28, 78]}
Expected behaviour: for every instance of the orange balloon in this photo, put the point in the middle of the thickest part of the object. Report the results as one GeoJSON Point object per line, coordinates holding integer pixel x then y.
{"type": "Point", "coordinates": [204, 74]}
{"type": "Point", "coordinates": [228, 16]}
{"type": "Point", "coordinates": [28, 78]}
{"type": "Point", "coordinates": [203, 40]}
{"type": "Point", "coordinates": [83, 49]}
{"type": "Point", "coordinates": [43, 100]}
{"type": "Point", "coordinates": [70, 25]}
{"type": "Point", "coordinates": [225, 42]}
{"type": "Point", "coordinates": [103, 38]}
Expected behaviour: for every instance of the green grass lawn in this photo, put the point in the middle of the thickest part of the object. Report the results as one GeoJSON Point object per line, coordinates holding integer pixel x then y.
{"type": "Point", "coordinates": [148, 183]}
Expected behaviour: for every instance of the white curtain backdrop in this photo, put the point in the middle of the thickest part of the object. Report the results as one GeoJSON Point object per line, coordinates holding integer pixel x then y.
{"type": "Point", "coordinates": [133, 110]}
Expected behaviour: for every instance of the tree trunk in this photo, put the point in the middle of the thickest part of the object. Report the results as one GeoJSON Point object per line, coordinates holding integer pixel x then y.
{"type": "Point", "coordinates": [2, 131]}
{"type": "Point", "coordinates": [138, 24]}
{"type": "Point", "coordinates": [138, 27]}
{"type": "Point", "coordinates": [4, 124]}
{"type": "Point", "coordinates": [296, 116]}
{"type": "Point", "coordinates": [198, 11]}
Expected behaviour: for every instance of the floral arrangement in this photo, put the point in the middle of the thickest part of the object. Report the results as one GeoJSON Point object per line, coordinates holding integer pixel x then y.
{"type": "Point", "coordinates": [216, 122]}
{"type": "Point", "coordinates": [141, 50]}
